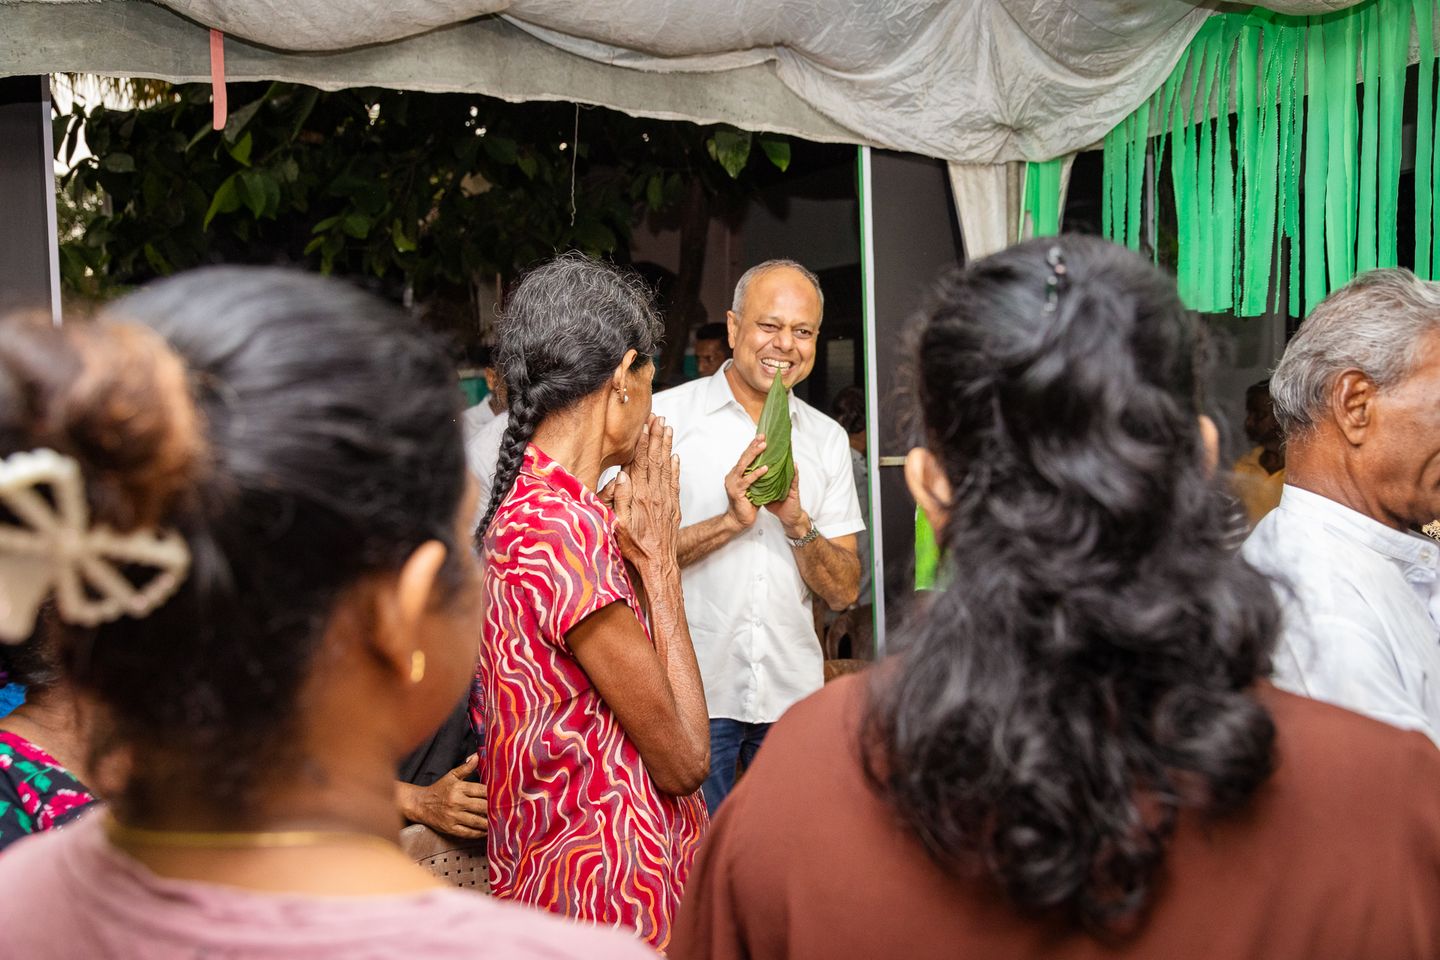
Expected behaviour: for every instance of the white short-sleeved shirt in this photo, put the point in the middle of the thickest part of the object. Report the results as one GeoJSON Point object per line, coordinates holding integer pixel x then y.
{"type": "Point", "coordinates": [482, 452]}
{"type": "Point", "coordinates": [1362, 609]}
{"type": "Point", "coordinates": [475, 418]}
{"type": "Point", "coordinates": [748, 608]}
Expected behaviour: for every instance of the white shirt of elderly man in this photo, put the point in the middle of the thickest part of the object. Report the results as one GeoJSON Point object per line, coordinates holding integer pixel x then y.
{"type": "Point", "coordinates": [482, 456]}
{"type": "Point", "coordinates": [750, 574]}
{"type": "Point", "coordinates": [1358, 395]}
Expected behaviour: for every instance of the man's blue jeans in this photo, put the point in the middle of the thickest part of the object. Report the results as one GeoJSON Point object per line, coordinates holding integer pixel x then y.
{"type": "Point", "coordinates": [731, 741]}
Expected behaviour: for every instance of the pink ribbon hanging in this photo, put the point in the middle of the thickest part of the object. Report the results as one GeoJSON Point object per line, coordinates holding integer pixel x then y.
{"type": "Point", "coordinates": [217, 78]}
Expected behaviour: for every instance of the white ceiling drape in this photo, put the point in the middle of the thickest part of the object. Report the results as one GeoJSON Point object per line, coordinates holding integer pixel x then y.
{"type": "Point", "coordinates": [967, 81]}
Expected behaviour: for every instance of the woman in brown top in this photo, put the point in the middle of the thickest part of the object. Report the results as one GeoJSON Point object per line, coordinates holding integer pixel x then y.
{"type": "Point", "coordinates": [1074, 754]}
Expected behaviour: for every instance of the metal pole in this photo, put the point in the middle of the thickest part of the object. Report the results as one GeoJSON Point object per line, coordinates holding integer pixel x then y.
{"type": "Point", "coordinates": [29, 250]}
{"type": "Point", "coordinates": [872, 395]}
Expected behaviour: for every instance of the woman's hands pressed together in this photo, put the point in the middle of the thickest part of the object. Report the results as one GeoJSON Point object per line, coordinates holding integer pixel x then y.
{"type": "Point", "coordinates": [646, 500]}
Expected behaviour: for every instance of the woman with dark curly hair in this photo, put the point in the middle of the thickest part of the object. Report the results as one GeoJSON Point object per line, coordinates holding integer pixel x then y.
{"type": "Point", "coordinates": [1074, 753]}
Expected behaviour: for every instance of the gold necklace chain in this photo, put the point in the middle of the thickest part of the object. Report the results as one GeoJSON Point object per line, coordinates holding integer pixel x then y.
{"type": "Point", "coordinates": [122, 836]}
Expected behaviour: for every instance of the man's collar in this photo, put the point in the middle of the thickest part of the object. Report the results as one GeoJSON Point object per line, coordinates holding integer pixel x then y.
{"type": "Point", "coordinates": [1402, 545]}
{"type": "Point", "coordinates": [717, 391]}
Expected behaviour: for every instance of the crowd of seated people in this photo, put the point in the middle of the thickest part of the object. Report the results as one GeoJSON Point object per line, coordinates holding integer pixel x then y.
{"type": "Point", "coordinates": [245, 577]}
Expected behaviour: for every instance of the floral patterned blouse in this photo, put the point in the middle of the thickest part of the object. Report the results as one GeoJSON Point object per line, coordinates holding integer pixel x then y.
{"type": "Point", "coordinates": [576, 824]}
{"type": "Point", "coordinates": [36, 792]}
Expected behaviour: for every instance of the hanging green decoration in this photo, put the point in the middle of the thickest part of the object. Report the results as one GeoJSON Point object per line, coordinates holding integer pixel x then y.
{"type": "Point", "coordinates": [927, 553]}
{"type": "Point", "coordinates": [1042, 196]}
{"type": "Point", "coordinates": [1272, 154]}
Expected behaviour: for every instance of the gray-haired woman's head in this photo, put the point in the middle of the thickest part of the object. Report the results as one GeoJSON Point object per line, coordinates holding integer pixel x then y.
{"type": "Point", "coordinates": [1373, 324]}
{"type": "Point", "coordinates": [566, 327]}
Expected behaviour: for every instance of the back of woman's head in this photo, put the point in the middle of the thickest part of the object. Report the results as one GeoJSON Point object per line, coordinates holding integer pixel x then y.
{"type": "Point", "coordinates": [113, 398]}
{"type": "Point", "coordinates": [567, 325]}
{"type": "Point", "coordinates": [331, 451]}
{"type": "Point", "coordinates": [1084, 673]}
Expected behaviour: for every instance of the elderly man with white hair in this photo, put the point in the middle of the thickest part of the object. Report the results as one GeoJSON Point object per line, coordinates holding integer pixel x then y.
{"type": "Point", "coordinates": [1358, 396]}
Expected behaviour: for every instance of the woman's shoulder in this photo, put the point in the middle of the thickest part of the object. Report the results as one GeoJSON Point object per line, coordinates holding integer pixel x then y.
{"type": "Point", "coordinates": [502, 929]}
{"type": "Point", "coordinates": [69, 890]}
{"type": "Point", "coordinates": [1347, 758]}
{"type": "Point", "coordinates": [537, 513]}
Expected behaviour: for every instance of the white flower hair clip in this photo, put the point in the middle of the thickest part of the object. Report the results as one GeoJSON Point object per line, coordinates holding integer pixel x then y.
{"type": "Point", "coordinates": [53, 549]}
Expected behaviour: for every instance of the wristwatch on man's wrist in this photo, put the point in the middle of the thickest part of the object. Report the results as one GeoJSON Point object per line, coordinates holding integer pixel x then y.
{"type": "Point", "coordinates": [809, 537]}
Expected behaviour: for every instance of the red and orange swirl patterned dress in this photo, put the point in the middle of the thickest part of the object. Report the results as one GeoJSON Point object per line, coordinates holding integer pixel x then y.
{"type": "Point", "coordinates": [576, 824]}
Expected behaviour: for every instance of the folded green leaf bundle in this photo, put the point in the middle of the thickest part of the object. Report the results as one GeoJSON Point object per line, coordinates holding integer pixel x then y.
{"type": "Point", "coordinates": [775, 424]}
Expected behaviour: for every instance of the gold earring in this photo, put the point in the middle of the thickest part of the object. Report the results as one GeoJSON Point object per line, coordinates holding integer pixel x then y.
{"type": "Point", "coordinates": [417, 666]}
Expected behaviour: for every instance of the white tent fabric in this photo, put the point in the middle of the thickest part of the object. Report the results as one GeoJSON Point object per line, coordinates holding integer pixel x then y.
{"type": "Point", "coordinates": [968, 81]}
{"type": "Point", "coordinates": [981, 84]}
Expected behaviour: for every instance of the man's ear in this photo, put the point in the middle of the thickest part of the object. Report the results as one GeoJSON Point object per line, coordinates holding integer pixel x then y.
{"type": "Point", "coordinates": [928, 485]}
{"type": "Point", "coordinates": [1352, 404]}
{"type": "Point", "coordinates": [400, 606]}
{"type": "Point", "coordinates": [1210, 440]}
{"type": "Point", "coordinates": [732, 326]}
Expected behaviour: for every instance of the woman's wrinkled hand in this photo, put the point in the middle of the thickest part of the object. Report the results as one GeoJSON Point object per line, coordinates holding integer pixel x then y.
{"type": "Point", "coordinates": [646, 500]}
{"type": "Point", "coordinates": [451, 805]}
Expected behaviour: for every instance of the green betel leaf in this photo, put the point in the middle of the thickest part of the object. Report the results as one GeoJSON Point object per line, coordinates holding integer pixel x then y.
{"type": "Point", "coordinates": [775, 424]}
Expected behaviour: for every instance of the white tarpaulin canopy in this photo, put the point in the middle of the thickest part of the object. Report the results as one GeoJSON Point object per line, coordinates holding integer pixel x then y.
{"type": "Point", "coordinates": [974, 82]}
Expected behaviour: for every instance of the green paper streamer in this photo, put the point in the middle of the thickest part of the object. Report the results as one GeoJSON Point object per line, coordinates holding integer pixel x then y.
{"type": "Point", "coordinates": [1222, 254]}
{"type": "Point", "coordinates": [1317, 157]}
{"type": "Point", "coordinates": [1107, 185]}
{"type": "Point", "coordinates": [1424, 136]}
{"type": "Point", "coordinates": [1394, 52]}
{"type": "Point", "coordinates": [1289, 48]}
{"type": "Point", "coordinates": [1042, 197]}
{"type": "Point", "coordinates": [1139, 134]}
{"type": "Point", "coordinates": [1313, 169]}
{"type": "Point", "coordinates": [1341, 48]}
{"type": "Point", "coordinates": [1367, 249]}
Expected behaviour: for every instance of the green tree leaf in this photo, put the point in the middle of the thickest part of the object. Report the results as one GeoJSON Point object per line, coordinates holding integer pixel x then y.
{"type": "Point", "coordinates": [402, 243]}
{"type": "Point", "coordinates": [501, 149]}
{"type": "Point", "coordinates": [61, 126]}
{"type": "Point", "coordinates": [238, 120]}
{"type": "Point", "coordinates": [118, 163]}
{"type": "Point", "coordinates": [225, 200]}
{"type": "Point", "coordinates": [356, 225]}
{"type": "Point", "coordinates": [732, 150]}
{"type": "Point", "coordinates": [240, 151]}
{"type": "Point", "coordinates": [777, 150]}
{"type": "Point", "coordinates": [250, 187]}
{"type": "Point", "coordinates": [594, 236]}
{"type": "Point", "coordinates": [157, 262]}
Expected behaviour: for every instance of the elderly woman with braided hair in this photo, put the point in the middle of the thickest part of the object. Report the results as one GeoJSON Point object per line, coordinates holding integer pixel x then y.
{"type": "Point", "coordinates": [253, 524]}
{"type": "Point", "coordinates": [596, 732]}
